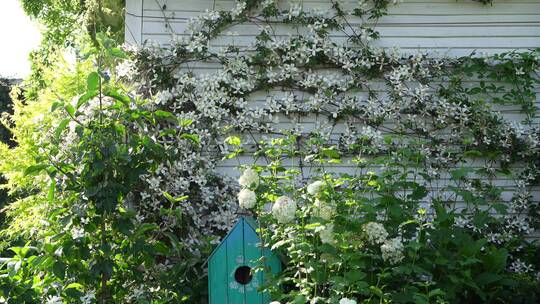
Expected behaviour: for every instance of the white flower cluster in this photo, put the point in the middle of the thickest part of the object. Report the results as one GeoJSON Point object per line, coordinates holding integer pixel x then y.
{"type": "Point", "coordinates": [315, 188]}
{"type": "Point", "coordinates": [284, 209]}
{"type": "Point", "coordinates": [326, 233]}
{"type": "Point", "coordinates": [249, 178]}
{"type": "Point", "coordinates": [518, 266]}
{"type": "Point", "coordinates": [88, 298]}
{"type": "Point", "coordinates": [54, 300]}
{"type": "Point", "coordinates": [247, 198]}
{"type": "Point", "coordinates": [347, 301]}
{"type": "Point", "coordinates": [339, 106]}
{"type": "Point", "coordinates": [375, 232]}
{"type": "Point", "coordinates": [392, 250]}
{"type": "Point", "coordinates": [324, 209]}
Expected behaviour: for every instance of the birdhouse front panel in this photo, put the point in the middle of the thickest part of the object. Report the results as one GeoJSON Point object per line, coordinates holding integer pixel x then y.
{"type": "Point", "coordinates": [231, 275]}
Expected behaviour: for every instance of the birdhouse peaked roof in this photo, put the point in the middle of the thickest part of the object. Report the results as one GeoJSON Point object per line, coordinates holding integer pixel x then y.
{"type": "Point", "coordinates": [239, 225]}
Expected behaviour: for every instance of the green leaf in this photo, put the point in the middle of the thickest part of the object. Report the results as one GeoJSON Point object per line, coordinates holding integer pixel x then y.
{"type": "Point", "coordinates": [61, 127]}
{"type": "Point", "coordinates": [312, 226]}
{"type": "Point", "coordinates": [76, 286]}
{"type": "Point", "coordinates": [20, 252]}
{"type": "Point", "coordinates": [193, 137]}
{"type": "Point", "coordinates": [233, 154]}
{"type": "Point", "coordinates": [163, 114]}
{"type": "Point", "coordinates": [355, 275]}
{"type": "Point", "coordinates": [70, 109]}
{"type": "Point", "coordinates": [172, 199]}
{"type": "Point", "coordinates": [110, 92]}
{"type": "Point", "coordinates": [52, 188]}
{"type": "Point", "coordinates": [487, 278]}
{"type": "Point", "coordinates": [117, 52]}
{"type": "Point", "coordinates": [460, 173]}
{"type": "Point", "coordinates": [55, 105]}
{"type": "Point", "coordinates": [146, 227]}
{"type": "Point", "coordinates": [495, 261]}
{"type": "Point", "coordinates": [83, 99]}
{"type": "Point", "coordinates": [184, 122]}
{"type": "Point", "coordinates": [59, 269]}
{"type": "Point", "coordinates": [233, 140]}
{"type": "Point", "coordinates": [331, 153]}
{"type": "Point", "coordinates": [418, 193]}
{"type": "Point", "coordinates": [500, 208]}
{"type": "Point", "coordinates": [174, 239]}
{"type": "Point", "coordinates": [436, 292]}
{"type": "Point", "coordinates": [35, 169]}
{"type": "Point", "coordinates": [92, 82]}
{"type": "Point", "coordinates": [161, 248]}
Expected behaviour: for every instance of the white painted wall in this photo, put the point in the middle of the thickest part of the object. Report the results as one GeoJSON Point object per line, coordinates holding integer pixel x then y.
{"type": "Point", "coordinates": [443, 27]}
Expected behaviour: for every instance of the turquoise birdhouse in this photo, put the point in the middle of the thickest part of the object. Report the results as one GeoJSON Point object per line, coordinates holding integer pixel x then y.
{"type": "Point", "coordinates": [231, 279]}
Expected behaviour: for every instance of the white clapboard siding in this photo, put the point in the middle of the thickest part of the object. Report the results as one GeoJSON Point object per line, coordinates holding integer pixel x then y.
{"type": "Point", "coordinates": [445, 27]}
{"type": "Point", "coordinates": [440, 27]}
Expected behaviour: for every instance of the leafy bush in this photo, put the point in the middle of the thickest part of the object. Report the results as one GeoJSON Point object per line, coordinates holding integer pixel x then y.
{"type": "Point", "coordinates": [5, 135]}
{"type": "Point", "coordinates": [91, 245]}
{"type": "Point", "coordinates": [376, 236]}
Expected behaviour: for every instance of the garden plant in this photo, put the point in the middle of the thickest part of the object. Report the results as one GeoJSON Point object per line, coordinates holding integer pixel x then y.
{"type": "Point", "coordinates": [379, 176]}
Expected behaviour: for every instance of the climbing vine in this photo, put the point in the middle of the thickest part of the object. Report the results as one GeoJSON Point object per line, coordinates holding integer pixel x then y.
{"type": "Point", "coordinates": [353, 105]}
{"type": "Point", "coordinates": [347, 142]}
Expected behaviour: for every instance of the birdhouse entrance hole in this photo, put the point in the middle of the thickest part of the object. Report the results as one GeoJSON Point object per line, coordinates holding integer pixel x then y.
{"type": "Point", "coordinates": [232, 278]}
{"type": "Point", "coordinates": [243, 275]}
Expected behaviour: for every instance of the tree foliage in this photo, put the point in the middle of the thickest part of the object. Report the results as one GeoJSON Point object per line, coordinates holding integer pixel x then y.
{"type": "Point", "coordinates": [67, 24]}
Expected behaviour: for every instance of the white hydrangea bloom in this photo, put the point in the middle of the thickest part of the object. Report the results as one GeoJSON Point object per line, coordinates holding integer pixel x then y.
{"type": "Point", "coordinates": [247, 198]}
{"type": "Point", "coordinates": [324, 210]}
{"type": "Point", "coordinates": [315, 187]}
{"type": "Point", "coordinates": [284, 209]}
{"type": "Point", "coordinates": [275, 302]}
{"type": "Point", "coordinates": [249, 178]}
{"type": "Point", "coordinates": [326, 233]}
{"type": "Point", "coordinates": [347, 301]}
{"type": "Point", "coordinates": [392, 250]}
{"type": "Point", "coordinates": [375, 232]}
